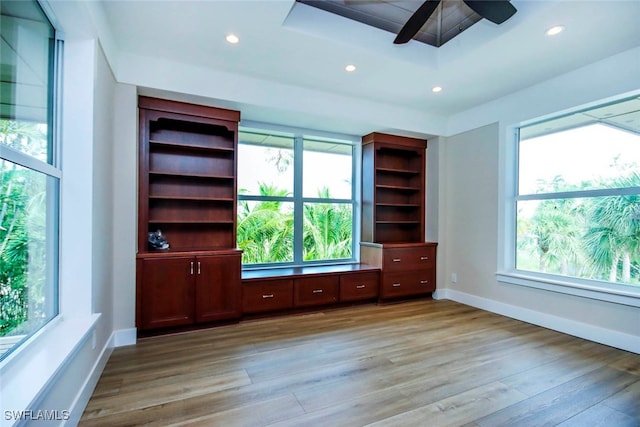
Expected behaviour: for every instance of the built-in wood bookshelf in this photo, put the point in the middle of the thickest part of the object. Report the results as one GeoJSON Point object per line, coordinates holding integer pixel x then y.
{"type": "Point", "coordinates": [187, 185]}
{"type": "Point", "coordinates": [393, 188]}
{"type": "Point", "coordinates": [187, 189]}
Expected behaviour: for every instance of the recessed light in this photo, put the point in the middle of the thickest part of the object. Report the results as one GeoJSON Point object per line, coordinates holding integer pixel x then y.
{"type": "Point", "coordinates": [232, 38]}
{"type": "Point", "coordinates": [436, 89]}
{"type": "Point", "coordinates": [555, 30]}
{"type": "Point", "coordinates": [350, 68]}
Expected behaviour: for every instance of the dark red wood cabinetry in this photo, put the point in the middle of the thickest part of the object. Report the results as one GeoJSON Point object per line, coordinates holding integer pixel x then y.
{"type": "Point", "coordinates": [393, 215]}
{"type": "Point", "coordinates": [302, 287]}
{"type": "Point", "coordinates": [187, 190]}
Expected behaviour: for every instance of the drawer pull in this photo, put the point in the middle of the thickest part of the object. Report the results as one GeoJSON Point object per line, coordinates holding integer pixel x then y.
{"type": "Point", "coordinates": [317, 291]}
{"type": "Point", "coordinates": [396, 285]}
{"type": "Point", "coordinates": [396, 260]}
{"type": "Point", "coordinates": [361, 286]}
{"type": "Point", "coordinates": [191, 268]}
{"type": "Point", "coordinates": [424, 258]}
{"type": "Point", "coordinates": [424, 282]}
{"type": "Point", "coordinates": [267, 296]}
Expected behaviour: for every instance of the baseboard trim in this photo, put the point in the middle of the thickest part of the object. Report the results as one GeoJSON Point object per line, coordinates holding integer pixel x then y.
{"type": "Point", "coordinates": [122, 337]}
{"type": "Point", "coordinates": [583, 330]}
{"type": "Point", "coordinates": [83, 396]}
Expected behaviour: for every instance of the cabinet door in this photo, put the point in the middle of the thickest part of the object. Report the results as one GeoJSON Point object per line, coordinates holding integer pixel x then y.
{"type": "Point", "coordinates": [218, 287]}
{"type": "Point", "coordinates": [167, 292]}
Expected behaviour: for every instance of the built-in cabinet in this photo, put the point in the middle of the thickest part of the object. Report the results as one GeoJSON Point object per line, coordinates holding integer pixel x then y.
{"type": "Point", "coordinates": [187, 190]}
{"type": "Point", "coordinates": [286, 289]}
{"type": "Point", "coordinates": [178, 290]}
{"type": "Point", "coordinates": [393, 215]}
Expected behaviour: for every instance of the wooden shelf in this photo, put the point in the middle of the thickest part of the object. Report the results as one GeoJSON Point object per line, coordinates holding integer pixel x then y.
{"type": "Point", "coordinates": [194, 198]}
{"type": "Point", "coordinates": [398, 205]}
{"type": "Point", "coordinates": [398, 187]}
{"type": "Point", "coordinates": [393, 170]}
{"type": "Point", "coordinates": [397, 222]}
{"type": "Point", "coordinates": [182, 146]}
{"type": "Point", "coordinates": [398, 171]}
{"type": "Point", "coordinates": [188, 168]}
{"type": "Point", "coordinates": [192, 175]}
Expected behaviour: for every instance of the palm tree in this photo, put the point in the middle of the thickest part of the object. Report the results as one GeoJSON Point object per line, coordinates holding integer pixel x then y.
{"type": "Point", "coordinates": [613, 235]}
{"type": "Point", "coordinates": [265, 231]}
{"type": "Point", "coordinates": [327, 229]}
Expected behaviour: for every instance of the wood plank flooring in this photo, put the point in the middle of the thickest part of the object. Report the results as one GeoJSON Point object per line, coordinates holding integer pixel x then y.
{"type": "Point", "coordinates": [418, 363]}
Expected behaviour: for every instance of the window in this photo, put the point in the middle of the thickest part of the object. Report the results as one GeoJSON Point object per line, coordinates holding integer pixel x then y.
{"type": "Point", "coordinates": [29, 176]}
{"type": "Point", "coordinates": [577, 198]}
{"type": "Point", "coordinates": [295, 198]}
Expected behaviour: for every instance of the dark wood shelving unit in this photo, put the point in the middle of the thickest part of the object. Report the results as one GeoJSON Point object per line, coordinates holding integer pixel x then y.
{"type": "Point", "coordinates": [393, 215]}
{"type": "Point", "coordinates": [393, 188]}
{"type": "Point", "coordinates": [187, 189]}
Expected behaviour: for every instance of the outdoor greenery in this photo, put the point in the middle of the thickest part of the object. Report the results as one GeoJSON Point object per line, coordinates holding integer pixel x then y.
{"type": "Point", "coordinates": [22, 232]}
{"type": "Point", "coordinates": [265, 229]}
{"type": "Point", "coordinates": [591, 237]}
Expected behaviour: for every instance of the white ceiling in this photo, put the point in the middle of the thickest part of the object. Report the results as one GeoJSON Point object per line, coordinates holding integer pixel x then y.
{"type": "Point", "coordinates": [309, 48]}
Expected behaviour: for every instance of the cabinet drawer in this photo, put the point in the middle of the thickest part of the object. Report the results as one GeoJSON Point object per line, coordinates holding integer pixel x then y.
{"type": "Point", "coordinates": [315, 290]}
{"type": "Point", "coordinates": [267, 295]}
{"type": "Point", "coordinates": [409, 283]}
{"type": "Point", "coordinates": [358, 286]}
{"type": "Point", "coordinates": [413, 258]}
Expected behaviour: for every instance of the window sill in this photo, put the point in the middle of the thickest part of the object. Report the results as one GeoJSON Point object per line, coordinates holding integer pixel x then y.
{"type": "Point", "coordinates": [583, 288]}
{"type": "Point", "coordinates": [27, 371]}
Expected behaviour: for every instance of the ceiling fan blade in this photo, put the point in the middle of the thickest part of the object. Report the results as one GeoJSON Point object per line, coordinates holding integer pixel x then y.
{"type": "Point", "coordinates": [496, 11]}
{"type": "Point", "coordinates": [416, 21]}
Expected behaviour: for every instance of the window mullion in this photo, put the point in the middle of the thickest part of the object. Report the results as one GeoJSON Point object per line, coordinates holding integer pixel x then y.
{"type": "Point", "coordinates": [298, 203]}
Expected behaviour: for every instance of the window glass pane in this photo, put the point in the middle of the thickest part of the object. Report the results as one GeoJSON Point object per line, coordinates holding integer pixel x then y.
{"type": "Point", "coordinates": [28, 252]}
{"type": "Point", "coordinates": [583, 158]}
{"type": "Point", "coordinates": [26, 54]}
{"type": "Point", "coordinates": [327, 231]}
{"type": "Point", "coordinates": [592, 238]}
{"type": "Point", "coordinates": [265, 164]}
{"type": "Point", "coordinates": [327, 170]}
{"type": "Point", "coordinates": [265, 231]}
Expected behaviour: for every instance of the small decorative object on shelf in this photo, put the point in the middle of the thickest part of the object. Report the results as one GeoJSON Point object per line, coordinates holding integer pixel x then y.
{"type": "Point", "coordinates": [157, 240]}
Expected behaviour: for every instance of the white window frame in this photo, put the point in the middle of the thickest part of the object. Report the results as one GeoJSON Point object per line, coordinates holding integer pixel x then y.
{"type": "Point", "coordinates": [51, 169]}
{"type": "Point", "coordinates": [299, 135]}
{"type": "Point", "coordinates": [508, 197]}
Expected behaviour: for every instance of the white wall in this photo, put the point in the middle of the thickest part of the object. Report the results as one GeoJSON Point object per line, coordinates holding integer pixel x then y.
{"type": "Point", "coordinates": [469, 233]}
{"type": "Point", "coordinates": [125, 213]}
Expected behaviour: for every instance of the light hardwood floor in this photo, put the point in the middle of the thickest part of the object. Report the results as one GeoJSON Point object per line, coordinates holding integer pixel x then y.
{"type": "Point", "coordinates": [418, 363]}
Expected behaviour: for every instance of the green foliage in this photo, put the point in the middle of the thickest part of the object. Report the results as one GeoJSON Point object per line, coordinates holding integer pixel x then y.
{"type": "Point", "coordinates": [22, 232]}
{"type": "Point", "coordinates": [596, 238]}
{"type": "Point", "coordinates": [265, 229]}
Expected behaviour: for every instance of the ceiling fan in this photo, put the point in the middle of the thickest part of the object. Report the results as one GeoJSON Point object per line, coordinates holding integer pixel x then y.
{"type": "Point", "coordinates": [496, 11]}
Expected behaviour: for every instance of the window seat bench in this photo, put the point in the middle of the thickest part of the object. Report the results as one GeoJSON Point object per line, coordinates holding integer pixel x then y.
{"type": "Point", "coordinates": [278, 289]}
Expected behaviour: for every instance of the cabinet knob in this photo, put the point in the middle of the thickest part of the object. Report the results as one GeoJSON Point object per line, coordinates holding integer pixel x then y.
{"type": "Point", "coordinates": [424, 282]}
{"type": "Point", "coordinates": [361, 286]}
{"type": "Point", "coordinates": [317, 291]}
{"type": "Point", "coordinates": [396, 285]}
{"type": "Point", "coordinates": [396, 260]}
{"type": "Point", "coordinates": [267, 296]}
{"type": "Point", "coordinates": [424, 258]}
